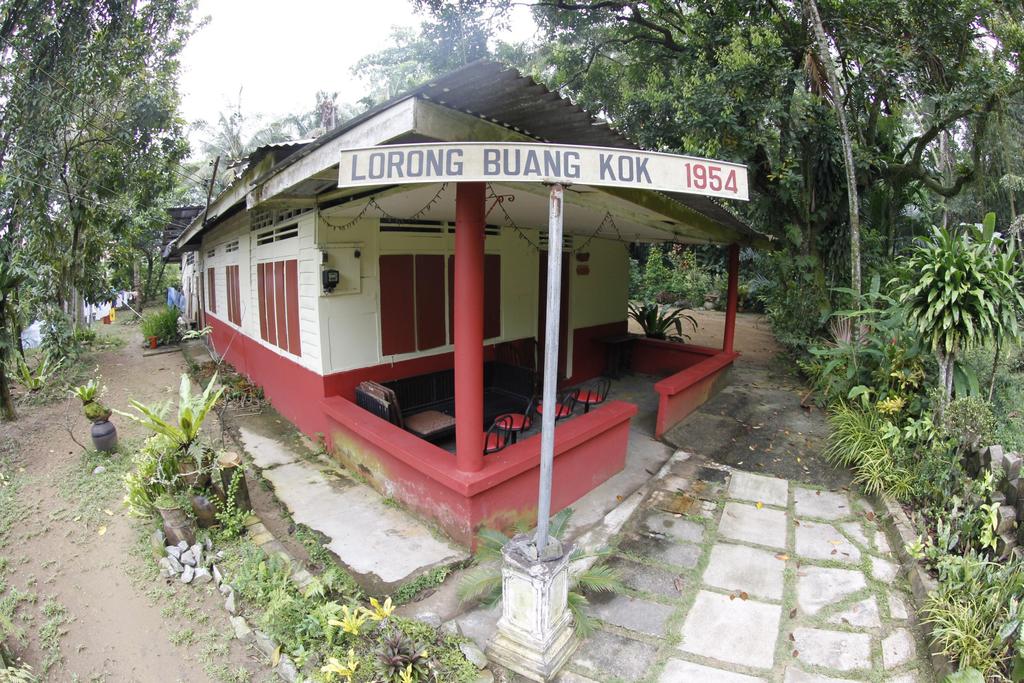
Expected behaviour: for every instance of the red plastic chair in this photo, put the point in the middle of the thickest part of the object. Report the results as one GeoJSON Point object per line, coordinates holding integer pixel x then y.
{"type": "Point", "coordinates": [498, 434]}
{"type": "Point", "coordinates": [563, 407]}
{"type": "Point", "coordinates": [519, 422]}
{"type": "Point", "coordinates": [594, 393]}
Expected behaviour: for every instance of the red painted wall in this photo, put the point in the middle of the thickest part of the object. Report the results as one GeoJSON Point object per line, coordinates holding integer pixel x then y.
{"type": "Point", "coordinates": [290, 388]}
{"type": "Point", "coordinates": [588, 450]}
{"type": "Point", "coordinates": [589, 355]}
{"type": "Point", "coordinates": [682, 393]}
{"type": "Point", "coordinates": [656, 357]}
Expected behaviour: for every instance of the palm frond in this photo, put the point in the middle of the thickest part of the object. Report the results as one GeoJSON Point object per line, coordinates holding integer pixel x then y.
{"type": "Point", "coordinates": [599, 579]}
{"type": "Point", "coordinates": [482, 583]}
{"type": "Point", "coordinates": [583, 623]}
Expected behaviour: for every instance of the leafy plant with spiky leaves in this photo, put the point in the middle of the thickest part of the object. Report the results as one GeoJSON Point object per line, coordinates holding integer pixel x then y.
{"type": "Point", "coordinates": [483, 582]}
{"type": "Point", "coordinates": [657, 321]}
{"type": "Point", "coordinates": [960, 292]}
{"type": "Point", "coordinates": [401, 655]}
{"type": "Point", "coordinates": [192, 411]}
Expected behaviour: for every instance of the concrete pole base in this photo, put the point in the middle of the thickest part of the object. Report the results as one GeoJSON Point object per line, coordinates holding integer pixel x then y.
{"type": "Point", "coordinates": [535, 637]}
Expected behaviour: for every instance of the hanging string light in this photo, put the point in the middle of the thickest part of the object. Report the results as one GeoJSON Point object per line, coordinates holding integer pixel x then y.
{"type": "Point", "coordinates": [372, 203]}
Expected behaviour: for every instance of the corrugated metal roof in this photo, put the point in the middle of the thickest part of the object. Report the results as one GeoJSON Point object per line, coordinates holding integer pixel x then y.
{"type": "Point", "coordinates": [504, 96]}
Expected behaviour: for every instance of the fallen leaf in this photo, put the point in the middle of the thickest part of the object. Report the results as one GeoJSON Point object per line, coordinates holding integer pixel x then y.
{"type": "Point", "coordinates": [782, 556]}
{"type": "Point", "coordinates": [109, 512]}
{"type": "Point", "coordinates": [759, 505]}
{"type": "Point", "coordinates": [679, 584]}
{"type": "Point", "coordinates": [792, 637]}
{"type": "Point", "coordinates": [834, 551]}
{"type": "Point", "coordinates": [792, 613]}
{"type": "Point", "coordinates": [744, 595]}
{"type": "Point", "coordinates": [102, 530]}
{"type": "Point", "coordinates": [731, 596]}
{"type": "Point", "coordinates": [870, 515]}
{"type": "Point", "coordinates": [277, 656]}
{"type": "Point", "coordinates": [796, 653]}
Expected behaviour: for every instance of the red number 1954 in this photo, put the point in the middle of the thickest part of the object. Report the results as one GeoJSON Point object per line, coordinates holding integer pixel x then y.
{"type": "Point", "coordinates": [708, 177]}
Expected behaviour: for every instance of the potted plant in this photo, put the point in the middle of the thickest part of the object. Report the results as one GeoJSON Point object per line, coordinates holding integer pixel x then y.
{"type": "Point", "coordinates": [161, 327]}
{"type": "Point", "coordinates": [177, 525]}
{"type": "Point", "coordinates": [657, 322]}
{"type": "Point", "coordinates": [195, 466]}
{"type": "Point", "coordinates": [103, 432]}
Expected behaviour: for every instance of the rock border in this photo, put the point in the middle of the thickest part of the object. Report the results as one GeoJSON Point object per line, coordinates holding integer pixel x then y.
{"type": "Point", "coordinates": [921, 582]}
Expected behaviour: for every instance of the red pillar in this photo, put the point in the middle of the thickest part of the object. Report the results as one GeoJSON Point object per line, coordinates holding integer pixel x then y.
{"type": "Point", "coordinates": [730, 307]}
{"type": "Point", "coordinates": [469, 326]}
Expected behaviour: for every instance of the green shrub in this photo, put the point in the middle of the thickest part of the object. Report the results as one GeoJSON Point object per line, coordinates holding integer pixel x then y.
{"type": "Point", "coordinates": [162, 324]}
{"type": "Point", "coordinates": [869, 444]}
{"type": "Point", "coordinates": [975, 613]}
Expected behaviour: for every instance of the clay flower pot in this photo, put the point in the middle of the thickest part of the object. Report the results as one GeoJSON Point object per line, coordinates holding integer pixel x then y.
{"type": "Point", "coordinates": [177, 525]}
{"type": "Point", "coordinates": [104, 436]}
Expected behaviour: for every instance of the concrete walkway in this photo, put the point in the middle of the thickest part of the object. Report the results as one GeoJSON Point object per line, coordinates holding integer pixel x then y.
{"type": "Point", "coordinates": [736, 577]}
{"type": "Point", "coordinates": [363, 529]}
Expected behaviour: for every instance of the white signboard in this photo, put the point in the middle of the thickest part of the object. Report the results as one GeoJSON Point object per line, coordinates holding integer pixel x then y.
{"type": "Point", "coordinates": [534, 162]}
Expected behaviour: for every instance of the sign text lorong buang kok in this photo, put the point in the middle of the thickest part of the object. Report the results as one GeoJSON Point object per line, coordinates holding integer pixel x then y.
{"type": "Point", "coordinates": [532, 162]}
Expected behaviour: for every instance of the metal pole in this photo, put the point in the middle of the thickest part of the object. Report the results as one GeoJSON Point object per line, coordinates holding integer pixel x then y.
{"type": "Point", "coordinates": [554, 298]}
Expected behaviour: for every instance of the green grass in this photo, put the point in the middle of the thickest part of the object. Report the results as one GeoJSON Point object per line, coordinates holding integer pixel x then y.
{"type": "Point", "coordinates": [10, 482]}
{"type": "Point", "coordinates": [89, 496]}
{"type": "Point", "coordinates": [52, 631]}
{"type": "Point", "coordinates": [410, 590]}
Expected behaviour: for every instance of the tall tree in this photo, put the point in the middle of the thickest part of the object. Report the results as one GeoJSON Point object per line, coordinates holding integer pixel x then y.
{"type": "Point", "coordinates": [89, 138]}
{"type": "Point", "coordinates": [828, 64]}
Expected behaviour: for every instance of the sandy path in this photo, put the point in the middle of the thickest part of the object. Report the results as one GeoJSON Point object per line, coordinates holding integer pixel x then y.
{"type": "Point", "coordinates": [121, 618]}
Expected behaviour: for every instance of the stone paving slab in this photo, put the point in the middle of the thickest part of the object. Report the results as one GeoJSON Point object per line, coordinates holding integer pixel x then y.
{"type": "Point", "coordinates": [647, 579]}
{"type": "Point", "coordinates": [732, 630]}
{"type": "Point", "coordinates": [817, 541]}
{"type": "Point", "coordinates": [823, 598]}
{"type": "Point", "coordinates": [757, 488]}
{"type": "Point", "coordinates": [631, 613]}
{"type": "Point", "coordinates": [763, 526]}
{"type": "Point", "coordinates": [818, 587]}
{"type": "Point", "coordinates": [740, 567]}
{"type": "Point", "coordinates": [680, 554]}
{"type": "Point", "coordinates": [366, 535]}
{"type": "Point", "coordinates": [898, 649]}
{"type": "Point", "coordinates": [675, 527]}
{"type": "Point", "coordinates": [837, 650]}
{"type": "Point", "coordinates": [828, 505]}
{"type": "Point", "coordinates": [610, 654]}
{"type": "Point", "coordinates": [678, 671]}
{"type": "Point", "coordinates": [795, 675]}
{"type": "Point", "coordinates": [862, 614]}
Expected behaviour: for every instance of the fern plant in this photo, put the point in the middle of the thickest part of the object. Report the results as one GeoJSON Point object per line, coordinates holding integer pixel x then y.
{"type": "Point", "coordinates": [483, 582]}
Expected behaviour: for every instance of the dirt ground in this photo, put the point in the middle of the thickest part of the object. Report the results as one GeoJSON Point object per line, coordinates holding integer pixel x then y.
{"type": "Point", "coordinates": [753, 338]}
{"type": "Point", "coordinates": [100, 611]}
{"type": "Point", "coordinates": [763, 420]}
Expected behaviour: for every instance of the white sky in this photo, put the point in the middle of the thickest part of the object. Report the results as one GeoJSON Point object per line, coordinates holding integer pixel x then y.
{"type": "Point", "coordinates": [280, 53]}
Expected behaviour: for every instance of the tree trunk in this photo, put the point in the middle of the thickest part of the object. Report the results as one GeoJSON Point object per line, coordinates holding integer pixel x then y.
{"type": "Point", "coordinates": [995, 367]}
{"type": "Point", "coordinates": [6, 402]}
{"type": "Point", "coordinates": [945, 380]}
{"type": "Point", "coordinates": [811, 7]}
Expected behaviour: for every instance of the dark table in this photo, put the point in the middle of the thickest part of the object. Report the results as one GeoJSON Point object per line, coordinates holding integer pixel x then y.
{"type": "Point", "coordinates": [620, 354]}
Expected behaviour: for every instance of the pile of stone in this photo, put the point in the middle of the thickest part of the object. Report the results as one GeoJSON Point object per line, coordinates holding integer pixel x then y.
{"type": "Point", "coordinates": [1009, 496]}
{"type": "Point", "coordinates": [193, 564]}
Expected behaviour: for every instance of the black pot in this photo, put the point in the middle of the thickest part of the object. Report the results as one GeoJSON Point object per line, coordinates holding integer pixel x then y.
{"type": "Point", "coordinates": [206, 515]}
{"type": "Point", "coordinates": [104, 436]}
